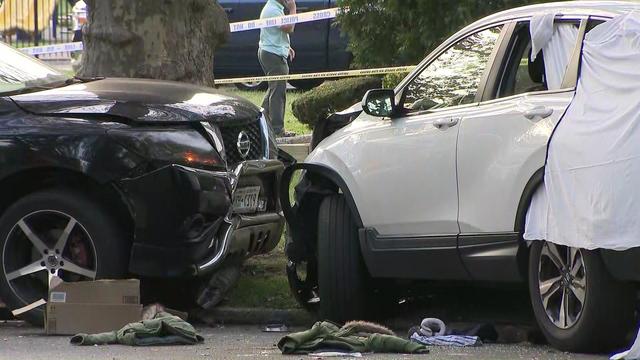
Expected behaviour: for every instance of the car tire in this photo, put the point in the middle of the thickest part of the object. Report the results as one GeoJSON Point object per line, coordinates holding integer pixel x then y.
{"type": "Point", "coordinates": [341, 271]}
{"type": "Point", "coordinates": [306, 84]}
{"type": "Point", "coordinates": [94, 248]}
{"type": "Point", "coordinates": [252, 86]}
{"type": "Point", "coordinates": [606, 314]}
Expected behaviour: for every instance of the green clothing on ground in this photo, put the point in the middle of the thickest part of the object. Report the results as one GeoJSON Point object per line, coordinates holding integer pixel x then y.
{"type": "Point", "coordinates": [163, 329]}
{"type": "Point", "coordinates": [326, 335]}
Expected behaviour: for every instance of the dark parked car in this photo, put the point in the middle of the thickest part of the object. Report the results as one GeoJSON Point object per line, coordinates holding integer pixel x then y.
{"type": "Point", "coordinates": [104, 178]}
{"type": "Point", "coordinates": [319, 45]}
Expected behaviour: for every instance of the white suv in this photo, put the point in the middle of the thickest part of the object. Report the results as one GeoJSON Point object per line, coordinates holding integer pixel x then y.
{"type": "Point", "coordinates": [432, 181]}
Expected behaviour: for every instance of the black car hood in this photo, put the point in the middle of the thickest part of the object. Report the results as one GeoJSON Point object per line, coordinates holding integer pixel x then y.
{"type": "Point", "coordinates": [139, 100]}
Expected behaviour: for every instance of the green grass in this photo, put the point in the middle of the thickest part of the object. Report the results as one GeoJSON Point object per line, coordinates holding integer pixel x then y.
{"type": "Point", "coordinates": [263, 283]}
{"type": "Point", "coordinates": [290, 122]}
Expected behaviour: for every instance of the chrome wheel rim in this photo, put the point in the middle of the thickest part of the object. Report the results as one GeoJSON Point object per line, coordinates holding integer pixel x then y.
{"type": "Point", "coordinates": [44, 244]}
{"type": "Point", "coordinates": [562, 281]}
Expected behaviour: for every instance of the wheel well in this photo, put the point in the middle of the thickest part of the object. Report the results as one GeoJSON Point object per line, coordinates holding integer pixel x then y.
{"type": "Point", "coordinates": [318, 182]}
{"type": "Point", "coordinates": [321, 180]}
{"type": "Point", "coordinates": [18, 185]}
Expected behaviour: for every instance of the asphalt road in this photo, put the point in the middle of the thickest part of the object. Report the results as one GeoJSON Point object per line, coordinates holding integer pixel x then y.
{"type": "Point", "coordinates": [19, 341]}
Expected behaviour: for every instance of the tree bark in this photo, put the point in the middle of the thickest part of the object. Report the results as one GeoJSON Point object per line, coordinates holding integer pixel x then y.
{"type": "Point", "coordinates": [158, 39]}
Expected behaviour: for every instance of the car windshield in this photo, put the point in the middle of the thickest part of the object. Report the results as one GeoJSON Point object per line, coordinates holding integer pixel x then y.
{"type": "Point", "coordinates": [20, 72]}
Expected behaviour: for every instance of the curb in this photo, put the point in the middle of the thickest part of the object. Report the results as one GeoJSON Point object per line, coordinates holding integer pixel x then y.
{"type": "Point", "coordinates": [300, 139]}
{"type": "Point", "coordinates": [254, 316]}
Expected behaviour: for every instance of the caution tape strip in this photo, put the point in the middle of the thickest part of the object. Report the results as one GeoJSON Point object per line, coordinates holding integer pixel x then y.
{"type": "Point", "coordinates": [54, 48]}
{"type": "Point", "coordinates": [318, 75]}
{"type": "Point", "coordinates": [309, 16]}
{"type": "Point", "coordinates": [285, 20]}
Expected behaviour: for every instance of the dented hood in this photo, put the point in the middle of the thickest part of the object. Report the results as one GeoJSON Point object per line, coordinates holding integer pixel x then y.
{"type": "Point", "coordinates": [139, 100]}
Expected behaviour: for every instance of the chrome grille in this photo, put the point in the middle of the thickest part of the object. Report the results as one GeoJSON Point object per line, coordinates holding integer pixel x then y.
{"type": "Point", "coordinates": [230, 133]}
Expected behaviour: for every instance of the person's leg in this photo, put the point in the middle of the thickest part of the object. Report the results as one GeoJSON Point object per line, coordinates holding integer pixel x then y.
{"type": "Point", "coordinates": [276, 95]}
{"type": "Point", "coordinates": [267, 95]}
{"type": "Point", "coordinates": [278, 100]}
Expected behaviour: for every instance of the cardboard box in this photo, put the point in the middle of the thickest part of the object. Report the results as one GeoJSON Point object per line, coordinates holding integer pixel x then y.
{"type": "Point", "coordinates": [96, 292]}
{"type": "Point", "coordinates": [92, 306]}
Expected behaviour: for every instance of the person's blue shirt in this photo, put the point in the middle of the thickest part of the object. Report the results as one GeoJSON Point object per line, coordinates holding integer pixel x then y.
{"type": "Point", "coordinates": [273, 39]}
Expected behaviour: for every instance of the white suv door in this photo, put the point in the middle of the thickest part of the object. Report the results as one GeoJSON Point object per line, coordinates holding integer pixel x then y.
{"type": "Point", "coordinates": [500, 147]}
{"type": "Point", "coordinates": [404, 169]}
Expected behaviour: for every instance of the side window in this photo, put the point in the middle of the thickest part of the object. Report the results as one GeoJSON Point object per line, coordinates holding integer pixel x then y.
{"type": "Point", "coordinates": [521, 74]}
{"type": "Point", "coordinates": [454, 77]}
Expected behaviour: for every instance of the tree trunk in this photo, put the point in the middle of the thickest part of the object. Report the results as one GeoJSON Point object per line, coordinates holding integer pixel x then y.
{"type": "Point", "coordinates": [159, 39]}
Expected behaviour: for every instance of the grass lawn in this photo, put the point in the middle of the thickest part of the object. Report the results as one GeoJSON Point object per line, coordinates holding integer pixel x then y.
{"type": "Point", "coordinates": [264, 281]}
{"type": "Point", "coordinates": [290, 122]}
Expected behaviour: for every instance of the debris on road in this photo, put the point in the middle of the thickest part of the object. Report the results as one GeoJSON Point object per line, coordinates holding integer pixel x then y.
{"type": "Point", "coordinates": [355, 336]}
{"type": "Point", "coordinates": [163, 329]}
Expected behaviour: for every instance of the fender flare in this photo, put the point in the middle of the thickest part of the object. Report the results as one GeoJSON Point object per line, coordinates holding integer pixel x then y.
{"type": "Point", "coordinates": [525, 199]}
{"type": "Point", "coordinates": [324, 171]}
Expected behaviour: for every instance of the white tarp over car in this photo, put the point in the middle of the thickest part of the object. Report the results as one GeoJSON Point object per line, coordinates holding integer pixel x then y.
{"type": "Point", "coordinates": [556, 42]}
{"type": "Point", "coordinates": [591, 197]}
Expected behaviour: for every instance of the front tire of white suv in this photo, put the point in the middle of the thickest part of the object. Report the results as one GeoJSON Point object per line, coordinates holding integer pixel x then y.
{"type": "Point", "coordinates": [578, 305]}
{"type": "Point", "coordinates": [341, 271]}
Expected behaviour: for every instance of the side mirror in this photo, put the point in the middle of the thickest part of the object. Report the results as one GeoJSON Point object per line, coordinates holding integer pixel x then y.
{"type": "Point", "coordinates": [379, 102]}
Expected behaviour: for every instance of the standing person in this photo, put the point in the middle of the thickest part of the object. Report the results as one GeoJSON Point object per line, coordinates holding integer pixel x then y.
{"type": "Point", "coordinates": [273, 51]}
{"type": "Point", "coordinates": [79, 18]}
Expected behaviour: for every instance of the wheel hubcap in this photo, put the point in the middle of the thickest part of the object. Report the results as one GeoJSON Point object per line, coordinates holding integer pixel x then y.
{"type": "Point", "coordinates": [46, 241]}
{"type": "Point", "coordinates": [562, 284]}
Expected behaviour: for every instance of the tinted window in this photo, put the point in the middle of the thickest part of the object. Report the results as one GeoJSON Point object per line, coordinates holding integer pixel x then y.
{"type": "Point", "coordinates": [453, 78]}
{"type": "Point", "coordinates": [521, 74]}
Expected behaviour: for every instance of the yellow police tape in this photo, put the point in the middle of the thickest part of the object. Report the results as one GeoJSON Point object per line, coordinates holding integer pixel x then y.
{"type": "Point", "coordinates": [318, 75]}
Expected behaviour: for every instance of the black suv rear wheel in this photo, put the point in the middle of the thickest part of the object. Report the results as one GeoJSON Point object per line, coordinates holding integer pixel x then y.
{"type": "Point", "coordinates": [341, 272]}
{"type": "Point", "coordinates": [576, 302]}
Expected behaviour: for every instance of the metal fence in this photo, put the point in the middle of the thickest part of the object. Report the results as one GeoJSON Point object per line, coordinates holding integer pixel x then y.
{"type": "Point", "coordinates": [36, 22]}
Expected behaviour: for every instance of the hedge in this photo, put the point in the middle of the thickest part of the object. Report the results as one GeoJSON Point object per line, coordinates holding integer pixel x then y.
{"type": "Point", "coordinates": [315, 105]}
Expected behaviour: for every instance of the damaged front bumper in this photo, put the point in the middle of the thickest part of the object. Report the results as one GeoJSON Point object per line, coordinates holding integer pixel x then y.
{"type": "Point", "coordinates": [184, 219]}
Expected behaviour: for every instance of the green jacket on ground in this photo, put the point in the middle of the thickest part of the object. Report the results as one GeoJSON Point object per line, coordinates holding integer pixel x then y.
{"type": "Point", "coordinates": [326, 335]}
{"type": "Point", "coordinates": [163, 329]}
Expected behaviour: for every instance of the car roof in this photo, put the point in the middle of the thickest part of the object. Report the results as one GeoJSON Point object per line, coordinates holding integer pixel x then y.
{"type": "Point", "coordinates": [606, 9]}
{"type": "Point", "coordinates": [598, 8]}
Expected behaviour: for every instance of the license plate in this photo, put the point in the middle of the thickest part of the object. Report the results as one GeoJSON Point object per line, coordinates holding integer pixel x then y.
{"type": "Point", "coordinates": [245, 200]}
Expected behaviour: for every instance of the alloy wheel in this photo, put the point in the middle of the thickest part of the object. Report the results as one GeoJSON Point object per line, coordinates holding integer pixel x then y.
{"type": "Point", "coordinates": [44, 244]}
{"type": "Point", "coordinates": [562, 280]}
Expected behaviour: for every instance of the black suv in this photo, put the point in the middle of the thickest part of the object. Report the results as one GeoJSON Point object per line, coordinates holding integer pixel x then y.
{"type": "Point", "coordinates": [102, 178]}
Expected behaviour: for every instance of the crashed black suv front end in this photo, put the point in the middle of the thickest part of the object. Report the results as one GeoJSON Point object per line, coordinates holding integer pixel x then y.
{"type": "Point", "coordinates": [205, 205]}
{"type": "Point", "coordinates": [196, 169]}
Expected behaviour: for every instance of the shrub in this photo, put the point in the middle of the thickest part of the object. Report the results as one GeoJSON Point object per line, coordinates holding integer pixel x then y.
{"type": "Point", "coordinates": [390, 81]}
{"type": "Point", "coordinates": [331, 96]}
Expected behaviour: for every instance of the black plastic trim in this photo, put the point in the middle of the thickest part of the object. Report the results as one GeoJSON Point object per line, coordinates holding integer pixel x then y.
{"type": "Point", "coordinates": [622, 265]}
{"type": "Point", "coordinates": [491, 257]}
{"type": "Point", "coordinates": [525, 199]}
{"type": "Point", "coordinates": [325, 171]}
{"type": "Point", "coordinates": [412, 257]}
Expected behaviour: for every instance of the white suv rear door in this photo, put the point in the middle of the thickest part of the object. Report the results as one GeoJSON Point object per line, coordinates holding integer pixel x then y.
{"type": "Point", "coordinates": [500, 146]}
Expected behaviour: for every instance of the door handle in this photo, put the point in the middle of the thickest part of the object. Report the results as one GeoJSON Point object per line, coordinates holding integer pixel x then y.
{"type": "Point", "coordinates": [228, 10]}
{"type": "Point", "coordinates": [445, 123]}
{"type": "Point", "coordinates": [541, 112]}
